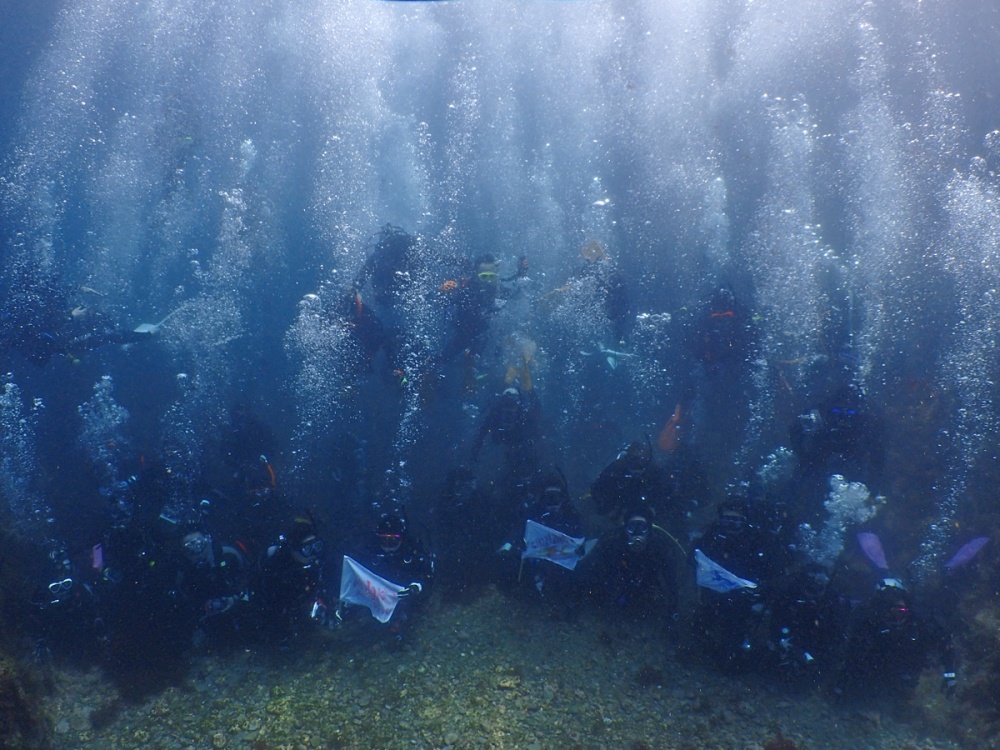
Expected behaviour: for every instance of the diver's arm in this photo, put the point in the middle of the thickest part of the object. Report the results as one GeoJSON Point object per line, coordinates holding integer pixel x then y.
{"type": "Point", "coordinates": [363, 275]}
{"type": "Point", "coordinates": [484, 429]}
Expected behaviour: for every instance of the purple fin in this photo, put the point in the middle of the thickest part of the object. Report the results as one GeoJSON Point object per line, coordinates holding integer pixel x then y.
{"type": "Point", "coordinates": [872, 548]}
{"type": "Point", "coordinates": [967, 552]}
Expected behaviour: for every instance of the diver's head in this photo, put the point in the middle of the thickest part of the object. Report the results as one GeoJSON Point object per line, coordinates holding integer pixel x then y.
{"type": "Point", "coordinates": [637, 530]}
{"type": "Point", "coordinates": [810, 422]}
{"type": "Point", "coordinates": [637, 455]}
{"type": "Point", "coordinates": [304, 543]}
{"type": "Point", "coordinates": [487, 269]}
{"type": "Point", "coordinates": [307, 552]}
{"type": "Point", "coordinates": [892, 602]}
{"type": "Point", "coordinates": [723, 299]}
{"type": "Point", "coordinates": [510, 397]}
{"type": "Point", "coordinates": [197, 547]}
{"type": "Point", "coordinates": [815, 579]}
{"type": "Point", "coordinates": [733, 514]}
{"type": "Point", "coordinates": [398, 236]}
{"type": "Point", "coordinates": [390, 530]}
{"type": "Point", "coordinates": [553, 492]}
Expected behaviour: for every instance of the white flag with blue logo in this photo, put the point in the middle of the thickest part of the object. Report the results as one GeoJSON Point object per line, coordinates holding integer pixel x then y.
{"type": "Point", "coordinates": [358, 585]}
{"type": "Point", "coordinates": [543, 543]}
{"type": "Point", "coordinates": [713, 576]}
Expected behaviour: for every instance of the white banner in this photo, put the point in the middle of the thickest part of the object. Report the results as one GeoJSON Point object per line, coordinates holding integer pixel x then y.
{"type": "Point", "coordinates": [543, 543]}
{"type": "Point", "coordinates": [358, 585]}
{"type": "Point", "coordinates": [713, 576]}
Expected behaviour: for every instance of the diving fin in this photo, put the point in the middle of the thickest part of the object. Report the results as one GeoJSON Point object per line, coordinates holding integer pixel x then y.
{"type": "Point", "coordinates": [152, 328]}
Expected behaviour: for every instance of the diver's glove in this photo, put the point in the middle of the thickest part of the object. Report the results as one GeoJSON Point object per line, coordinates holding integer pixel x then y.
{"type": "Point", "coordinates": [338, 616]}
{"type": "Point", "coordinates": [949, 682]}
{"type": "Point", "coordinates": [413, 588]}
{"type": "Point", "coordinates": [318, 612]}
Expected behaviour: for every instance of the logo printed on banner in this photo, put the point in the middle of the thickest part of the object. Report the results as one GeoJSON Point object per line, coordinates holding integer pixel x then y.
{"type": "Point", "coordinates": [713, 576]}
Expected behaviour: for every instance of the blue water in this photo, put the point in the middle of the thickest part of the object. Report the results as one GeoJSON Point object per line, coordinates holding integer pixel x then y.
{"type": "Point", "coordinates": [833, 162]}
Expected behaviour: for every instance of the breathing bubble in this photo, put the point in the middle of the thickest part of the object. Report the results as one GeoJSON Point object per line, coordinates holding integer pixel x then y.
{"type": "Point", "coordinates": [992, 142]}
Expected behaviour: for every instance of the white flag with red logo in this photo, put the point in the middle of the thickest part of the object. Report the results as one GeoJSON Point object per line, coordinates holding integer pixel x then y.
{"type": "Point", "coordinates": [543, 543]}
{"type": "Point", "coordinates": [358, 585]}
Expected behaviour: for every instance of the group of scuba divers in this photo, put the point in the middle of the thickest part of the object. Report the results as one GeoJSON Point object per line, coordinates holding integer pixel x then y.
{"type": "Point", "coordinates": [736, 589]}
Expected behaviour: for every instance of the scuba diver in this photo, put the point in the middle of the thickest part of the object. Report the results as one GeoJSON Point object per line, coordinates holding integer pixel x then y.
{"type": "Point", "coordinates": [291, 580]}
{"type": "Point", "coordinates": [149, 622]}
{"type": "Point", "coordinates": [395, 554]}
{"type": "Point", "coordinates": [390, 268]}
{"type": "Point", "coordinates": [751, 555]}
{"type": "Point", "coordinates": [841, 434]}
{"type": "Point", "coordinates": [40, 323]}
{"type": "Point", "coordinates": [474, 299]}
{"type": "Point", "coordinates": [213, 583]}
{"type": "Point", "coordinates": [247, 449]}
{"type": "Point", "coordinates": [887, 646]}
{"type": "Point", "coordinates": [632, 570]}
{"type": "Point", "coordinates": [114, 601]}
{"type": "Point", "coordinates": [514, 421]}
{"type": "Point", "coordinates": [598, 285]}
{"type": "Point", "coordinates": [721, 331]}
{"type": "Point", "coordinates": [892, 635]}
{"type": "Point", "coordinates": [65, 611]}
{"type": "Point", "coordinates": [366, 330]}
{"type": "Point", "coordinates": [611, 290]}
{"type": "Point", "coordinates": [549, 504]}
{"type": "Point", "coordinates": [632, 481]}
{"type": "Point", "coordinates": [807, 618]}
{"type": "Point", "coordinates": [396, 271]}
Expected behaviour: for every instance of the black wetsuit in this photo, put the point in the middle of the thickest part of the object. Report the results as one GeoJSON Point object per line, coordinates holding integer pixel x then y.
{"type": "Point", "coordinates": [629, 484]}
{"type": "Point", "coordinates": [288, 589]}
{"type": "Point", "coordinates": [389, 267]}
{"type": "Point", "coordinates": [733, 624]}
{"type": "Point", "coordinates": [638, 579]}
{"type": "Point", "coordinates": [886, 647]}
{"type": "Point", "coordinates": [513, 421]}
{"type": "Point", "coordinates": [215, 592]}
{"type": "Point", "coordinates": [410, 564]}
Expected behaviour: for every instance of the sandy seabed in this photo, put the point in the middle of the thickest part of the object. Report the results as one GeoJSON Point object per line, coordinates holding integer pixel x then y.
{"type": "Point", "coordinates": [490, 673]}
